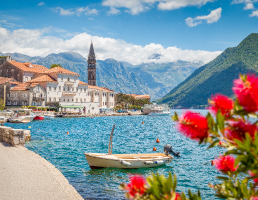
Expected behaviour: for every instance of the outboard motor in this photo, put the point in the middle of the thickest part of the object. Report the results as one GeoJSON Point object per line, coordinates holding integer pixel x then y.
{"type": "Point", "coordinates": [168, 149]}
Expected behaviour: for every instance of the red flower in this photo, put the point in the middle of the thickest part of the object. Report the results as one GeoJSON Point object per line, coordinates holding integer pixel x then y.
{"type": "Point", "coordinates": [254, 198]}
{"type": "Point", "coordinates": [225, 163]}
{"type": "Point", "coordinates": [193, 125]}
{"type": "Point", "coordinates": [247, 92]}
{"type": "Point", "coordinates": [178, 197]}
{"type": "Point", "coordinates": [222, 103]}
{"type": "Point", "coordinates": [238, 129]}
{"type": "Point", "coordinates": [255, 179]}
{"type": "Point", "coordinates": [136, 186]}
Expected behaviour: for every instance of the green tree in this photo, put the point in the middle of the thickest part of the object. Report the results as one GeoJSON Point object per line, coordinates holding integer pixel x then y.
{"type": "Point", "coordinates": [2, 104]}
{"type": "Point", "coordinates": [55, 65]}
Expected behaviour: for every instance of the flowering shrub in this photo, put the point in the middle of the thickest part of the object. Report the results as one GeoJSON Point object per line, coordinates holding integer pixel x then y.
{"type": "Point", "coordinates": [231, 129]}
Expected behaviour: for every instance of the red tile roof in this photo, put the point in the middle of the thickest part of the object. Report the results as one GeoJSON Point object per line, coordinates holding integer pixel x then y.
{"type": "Point", "coordinates": [60, 70]}
{"type": "Point", "coordinates": [82, 83]}
{"type": "Point", "coordinates": [24, 86]}
{"type": "Point", "coordinates": [100, 88]}
{"type": "Point", "coordinates": [136, 96]}
{"type": "Point", "coordinates": [29, 67]}
{"type": "Point", "coordinates": [43, 78]}
{"type": "Point", "coordinates": [10, 80]}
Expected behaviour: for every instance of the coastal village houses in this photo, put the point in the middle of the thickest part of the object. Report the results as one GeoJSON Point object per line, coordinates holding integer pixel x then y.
{"type": "Point", "coordinates": [29, 84]}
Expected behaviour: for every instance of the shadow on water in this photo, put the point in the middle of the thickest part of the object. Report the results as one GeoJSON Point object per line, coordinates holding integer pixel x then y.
{"type": "Point", "coordinates": [66, 151]}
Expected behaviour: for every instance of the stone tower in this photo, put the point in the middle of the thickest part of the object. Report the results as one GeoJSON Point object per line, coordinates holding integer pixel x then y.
{"type": "Point", "coordinates": [91, 66]}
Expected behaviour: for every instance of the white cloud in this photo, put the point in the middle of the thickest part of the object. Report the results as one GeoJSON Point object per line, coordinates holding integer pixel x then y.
{"type": "Point", "coordinates": [214, 16]}
{"type": "Point", "coordinates": [64, 12]}
{"type": "Point", "coordinates": [41, 4]}
{"type": "Point", "coordinates": [137, 6]}
{"type": "Point", "coordinates": [243, 1]}
{"type": "Point", "coordinates": [78, 11]}
{"type": "Point", "coordinates": [35, 43]}
{"type": "Point", "coordinates": [249, 6]}
{"type": "Point", "coordinates": [113, 11]}
{"type": "Point", "coordinates": [254, 14]}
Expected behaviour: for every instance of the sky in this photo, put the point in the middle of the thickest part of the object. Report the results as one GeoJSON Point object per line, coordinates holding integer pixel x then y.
{"type": "Point", "coordinates": [127, 30]}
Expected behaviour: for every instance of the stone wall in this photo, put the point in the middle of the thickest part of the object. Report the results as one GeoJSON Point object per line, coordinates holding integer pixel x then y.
{"type": "Point", "coordinates": [8, 70]}
{"type": "Point", "coordinates": [15, 137]}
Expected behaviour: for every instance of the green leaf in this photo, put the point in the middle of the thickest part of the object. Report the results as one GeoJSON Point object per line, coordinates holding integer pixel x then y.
{"type": "Point", "coordinates": [220, 121]}
{"type": "Point", "coordinates": [175, 117]}
{"type": "Point", "coordinates": [213, 144]}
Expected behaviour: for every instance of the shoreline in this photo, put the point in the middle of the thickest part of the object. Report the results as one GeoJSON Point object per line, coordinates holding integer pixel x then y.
{"type": "Point", "coordinates": [27, 175]}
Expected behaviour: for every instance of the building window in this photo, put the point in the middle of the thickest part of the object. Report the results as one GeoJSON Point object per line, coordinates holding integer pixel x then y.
{"type": "Point", "coordinates": [77, 89]}
{"type": "Point", "coordinates": [59, 88]}
{"type": "Point", "coordinates": [14, 95]}
{"type": "Point", "coordinates": [49, 88]}
{"type": "Point", "coordinates": [54, 99]}
{"type": "Point", "coordinates": [64, 88]}
{"type": "Point", "coordinates": [55, 88]}
{"type": "Point", "coordinates": [8, 95]}
{"type": "Point", "coordinates": [81, 100]}
{"type": "Point", "coordinates": [84, 89]}
{"type": "Point", "coordinates": [49, 99]}
{"type": "Point", "coordinates": [62, 79]}
{"type": "Point", "coordinates": [81, 89]}
{"type": "Point", "coordinates": [72, 100]}
{"type": "Point", "coordinates": [76, 100]}
{"type": "Point", "coordinates": [67, 100]}
{"type": "Point", "coordinates": [8, 102]}
{"type": "Point", "coordinates": [64, 100]}
{"type": "Point", "coordinates": [39, 103]}
{"type": "Point", "coordinates": [59, 100]}
{"type": "Point", "coordinates": [68, 88]}
{"type": "Point", "coordinates": [75, 79]}
{"type": "Point", "coordinates": [37, 88]}
{"type": "Point", "coordinates": [84, 100]}
{"type": "Point", "coordinates": [105, 103]}
{"type": "Point", "coordinates": [68, 78]}
{"type": "Point", "coordinates": [24, 95]}
{"type": "Point", "coordinates": [33, 103]}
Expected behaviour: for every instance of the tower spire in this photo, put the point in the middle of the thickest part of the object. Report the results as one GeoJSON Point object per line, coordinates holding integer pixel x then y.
{"type": "Point", "coordinates": [91, 66]}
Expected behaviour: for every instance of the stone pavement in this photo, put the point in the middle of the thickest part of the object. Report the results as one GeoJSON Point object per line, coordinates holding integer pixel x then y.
{"type": "Point", "coordinates": [24, 175]}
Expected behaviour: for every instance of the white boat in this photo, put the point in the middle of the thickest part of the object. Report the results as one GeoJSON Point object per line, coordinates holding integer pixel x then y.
{"type": "Point", "coordinates": [126, 161]}
{"type": "Point", "coordinates": [160, 113]}
{"type": "Point", "coordinates": [49, 115]}
{"type": "Point", "coordinates": [156, 110]}
{"type": "Point", "coordinates": [22, 116]}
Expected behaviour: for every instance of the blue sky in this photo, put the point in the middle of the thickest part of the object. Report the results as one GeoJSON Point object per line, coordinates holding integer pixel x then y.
{"type": "Point", "coordinates": [127, 30]}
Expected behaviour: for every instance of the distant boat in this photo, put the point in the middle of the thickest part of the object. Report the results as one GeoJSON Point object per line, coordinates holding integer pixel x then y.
{"type": "Point", "coordinates": [22, 116]}
{"type": "Point", "coordinates": [38, 115]}
{"type": "Point", "coordinates": [126, 161]}
{"type": "Point", "coordinates": [156, 110]}
{"type": "Point", "coordinates": [49, 115]}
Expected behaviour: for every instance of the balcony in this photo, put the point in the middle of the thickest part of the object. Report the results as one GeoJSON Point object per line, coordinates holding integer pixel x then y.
{"type": "Point", "coordinates": [69, 93]}
{"type": "Point", "coordinates": [38, 99]}
{"type": "Point", "coordinates": [69, 83]}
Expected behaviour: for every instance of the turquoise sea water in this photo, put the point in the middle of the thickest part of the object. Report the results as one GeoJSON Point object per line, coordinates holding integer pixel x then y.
{"type": "Point", "coordinates": [66, 151]}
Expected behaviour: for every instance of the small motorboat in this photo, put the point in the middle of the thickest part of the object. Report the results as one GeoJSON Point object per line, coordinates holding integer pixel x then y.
{"type": "Point", "coordinates": [49, 115]}
{"type": "Point", "coordinates": [38, 115]}
{"type": "Point", "coordinates": [128, 161]}
{"type": "Point", "coordinates": [22, 116]}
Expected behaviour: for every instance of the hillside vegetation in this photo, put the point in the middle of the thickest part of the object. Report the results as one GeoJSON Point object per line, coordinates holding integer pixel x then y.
{"type": "Point", "coordinates": [217, 76]}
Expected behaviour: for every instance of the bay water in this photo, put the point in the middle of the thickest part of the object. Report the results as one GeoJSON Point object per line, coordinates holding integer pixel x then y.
{"type": "Point", "coordinates": [63, 142]}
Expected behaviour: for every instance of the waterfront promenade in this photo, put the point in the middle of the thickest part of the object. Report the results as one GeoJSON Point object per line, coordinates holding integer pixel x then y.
{"type": "Point", "coordinates": [24, 175]}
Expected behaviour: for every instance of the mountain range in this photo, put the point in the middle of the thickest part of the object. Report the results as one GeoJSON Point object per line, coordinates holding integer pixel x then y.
{"type": "Point", "coordinates": [147, 78]}
{"type": "Point", "coordinates": [216, 76]}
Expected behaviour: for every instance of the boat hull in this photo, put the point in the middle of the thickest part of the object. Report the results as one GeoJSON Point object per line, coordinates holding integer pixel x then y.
{"type": "Point", "coordinates": [39, 118]}
{"type": "Point", "coordinates": [21, 119]}
{"type": "Point", "coordinates": [127, 161]}
{"type": "Point", "coordinates": [160, 114]}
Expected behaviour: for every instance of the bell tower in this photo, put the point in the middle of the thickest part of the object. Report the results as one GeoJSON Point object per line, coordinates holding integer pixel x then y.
{"type": "Point", "coordinates": [91, 66]}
